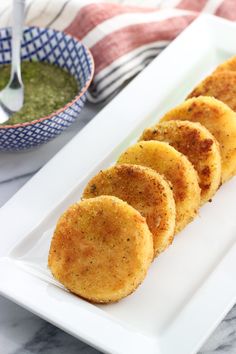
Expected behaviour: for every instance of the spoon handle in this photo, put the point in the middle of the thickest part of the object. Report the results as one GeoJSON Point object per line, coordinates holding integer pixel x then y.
{"type": "Point", "coordinates": [17, 30]}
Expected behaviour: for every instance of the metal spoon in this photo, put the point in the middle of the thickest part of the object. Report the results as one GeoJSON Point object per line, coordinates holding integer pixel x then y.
{"type": "Point", "coordinates": [12, 96]}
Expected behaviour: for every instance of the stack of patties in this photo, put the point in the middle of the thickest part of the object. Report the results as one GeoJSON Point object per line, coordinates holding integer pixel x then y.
{"type": "Point", "coordinates": [103, 246]}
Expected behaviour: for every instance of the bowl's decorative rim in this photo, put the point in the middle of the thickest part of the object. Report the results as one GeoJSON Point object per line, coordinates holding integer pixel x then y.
{"type": "Point", "coordinates": [69, 104]}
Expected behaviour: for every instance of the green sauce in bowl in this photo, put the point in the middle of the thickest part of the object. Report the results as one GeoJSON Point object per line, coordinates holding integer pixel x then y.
{"type": "Point", "coordinates": [47, 88]}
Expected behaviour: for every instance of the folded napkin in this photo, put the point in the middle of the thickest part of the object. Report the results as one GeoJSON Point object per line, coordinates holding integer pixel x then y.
{"type": "Point", "coordinates": [122, 36]}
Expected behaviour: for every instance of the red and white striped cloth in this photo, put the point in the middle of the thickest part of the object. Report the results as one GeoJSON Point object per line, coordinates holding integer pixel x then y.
{"type": "Point", "coordinates": [123, 38]}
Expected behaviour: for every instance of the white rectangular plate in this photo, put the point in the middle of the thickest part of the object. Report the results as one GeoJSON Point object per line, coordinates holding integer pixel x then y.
{"type": "Point", "coordinates": [191, 286]}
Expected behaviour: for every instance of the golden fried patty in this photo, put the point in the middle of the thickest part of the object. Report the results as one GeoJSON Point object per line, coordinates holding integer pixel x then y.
{"type": "Point", "coordinates": [221, 85]}
{"type": "Point", "coordinates": [228, 65]}
{"type": "Point", "coordinates": [200, 147]}
{"type": "Point", "coordinates": [145, 190]}
{"type": "Point", "coordinates": [219, 119]}
{"type": "Point", "coordinates": [166, 160]}
{"type": "Point", "coordinates": [101, 249]}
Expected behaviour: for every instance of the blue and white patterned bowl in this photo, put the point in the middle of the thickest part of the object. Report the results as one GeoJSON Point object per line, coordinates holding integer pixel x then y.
{"type": "Point", "coordinates": [65, 51]}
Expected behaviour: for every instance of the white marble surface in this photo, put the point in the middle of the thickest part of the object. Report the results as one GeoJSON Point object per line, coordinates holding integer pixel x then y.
{"type": "Point", "coordinates": [24, 333]}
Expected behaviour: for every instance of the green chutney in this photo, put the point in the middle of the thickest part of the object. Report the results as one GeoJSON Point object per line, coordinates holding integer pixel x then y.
{"type": "Point", "coordinates": [47, 88]}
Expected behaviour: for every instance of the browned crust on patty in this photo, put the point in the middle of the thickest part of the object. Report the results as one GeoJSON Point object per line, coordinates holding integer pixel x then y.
{"type": "Point", "coordinates": [221, 85]}
{"type": "Point", "coordinates": [228, 65]}
{"type": "Point", "coordinates": [176, 168]}
{"type": "Point", "coordinates": [198, 144]}
{"type": "Point", "coordinates": [145, 190]}
{"type": "Point", "coordinates": [219, 119]}
{"type": "Point", "coordinates": [101, 249]}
